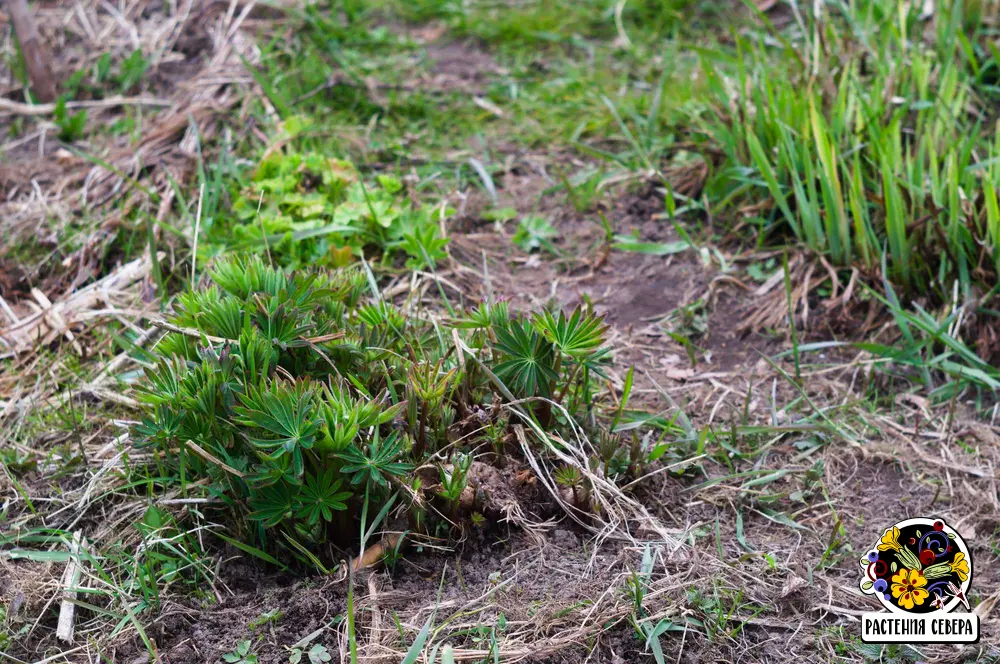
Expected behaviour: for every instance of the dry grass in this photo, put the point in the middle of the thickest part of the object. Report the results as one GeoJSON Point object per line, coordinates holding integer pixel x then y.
{"type": "Point", "coordinates": [195, 55]}
{"type": "Point", "coordinates": [195, 85]}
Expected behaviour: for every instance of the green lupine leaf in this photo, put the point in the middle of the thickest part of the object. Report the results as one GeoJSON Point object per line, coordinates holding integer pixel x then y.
{"type": "Point", "coordinates": [528, 364]}
{"type": "Point", "coordinates": [272, 504]}
{"type": "Point", "coordinates": [376, 462]}
{"type": "Point", "coordinates": [578, 336]}
{"type": "Point", "coordinates": [320, 497]}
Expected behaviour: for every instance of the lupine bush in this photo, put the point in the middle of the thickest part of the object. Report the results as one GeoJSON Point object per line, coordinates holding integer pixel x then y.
{"type": "Point", "coordinates": [303, 399]}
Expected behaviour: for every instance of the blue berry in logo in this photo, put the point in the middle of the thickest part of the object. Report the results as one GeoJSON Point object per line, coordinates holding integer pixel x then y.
{"type": "Point", "coordinates": [881, 586]}
{"type": "Point", "coordinates": [872, 556]}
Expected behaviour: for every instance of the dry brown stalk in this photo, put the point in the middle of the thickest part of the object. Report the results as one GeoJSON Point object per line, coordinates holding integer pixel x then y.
{"type": "Point", "coordinates": [36, 56]}
{"type": "Point", "coordinates": [18, 108]}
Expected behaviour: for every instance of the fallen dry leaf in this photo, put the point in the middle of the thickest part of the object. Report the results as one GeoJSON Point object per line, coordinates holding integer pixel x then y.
{"type": "Point", "coordinates": [679, 374]}
{"type": "Point", "coordinates": [793, 585]}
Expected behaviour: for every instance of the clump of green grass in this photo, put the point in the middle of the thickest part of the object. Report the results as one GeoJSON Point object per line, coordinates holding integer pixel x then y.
{"type": "Point", "coordinates": [864, 128]}
{"type": "Point", "coordinates": [863, 133]}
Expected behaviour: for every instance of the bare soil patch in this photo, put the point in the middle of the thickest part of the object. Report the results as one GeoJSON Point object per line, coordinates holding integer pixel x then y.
{"type": "Point", "coordinates": [530, 591]}
{"type": "Point", "coordinates": [459, 66]}
{"type": "Point", "coordinates": [636, 292]}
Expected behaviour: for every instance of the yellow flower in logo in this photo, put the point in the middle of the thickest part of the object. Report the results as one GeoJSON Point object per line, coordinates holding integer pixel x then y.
{"type": "Point", "coordinates": [960, 566]}
{"type": "Point", "coordinates": [908, 588]}
{"type": "Point", "coordinates": [890, 540]}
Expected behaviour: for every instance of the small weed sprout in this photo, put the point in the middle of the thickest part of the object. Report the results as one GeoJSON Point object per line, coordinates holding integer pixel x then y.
{"type": "Point", "coordinates": [572, 479]}
{"type": "Point", "coordinates": [318, 654]}
{"type": "Point", "coordinates": [453, 481]}
{"type": "Point", "coordinates": [241, 654]}
{"type": "Point", "coordinates": [534, 233]}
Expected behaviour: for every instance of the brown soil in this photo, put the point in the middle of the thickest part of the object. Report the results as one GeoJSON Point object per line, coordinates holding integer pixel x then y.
{"type": "Point", "coordinates": [540, 588]}
{"type": "Point", "coordinates": [14, 283]}
{"type": "Point", "coordinates": [633, 290]}
{"type": "Point", "coordinates": [459, 66]}
{"type": "Point", "coordinates": [528, 586]}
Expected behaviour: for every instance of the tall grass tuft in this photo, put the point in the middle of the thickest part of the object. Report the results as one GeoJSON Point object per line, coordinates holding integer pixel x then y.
{"type": "Point", "coordinates": [865, 127]}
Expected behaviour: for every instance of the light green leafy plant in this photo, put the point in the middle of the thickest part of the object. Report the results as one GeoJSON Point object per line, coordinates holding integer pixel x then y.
{"type": "Point", "coordinates": [71, 125]}
{"type": "Point", "coordinates": [318, 654]}
{"type": "Point", "coordinates": [534, 232]}
{"type": "Point", "coordinates": [241, 655]}
{"type": "Point", "coordinates": [309, 209]}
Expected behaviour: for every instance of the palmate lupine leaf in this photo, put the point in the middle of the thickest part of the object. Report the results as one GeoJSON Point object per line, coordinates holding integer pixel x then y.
{"type": "Point", "coordinates": [268, 473]}
{"type": "Point", "coordinates": [320, 497]}
{"type": "Point", "coordinates": [425, 246]}
{"type": "Point", "coordinates": [597, 361]}
{"type": "Point", "coordinates": [308, 290]}
{"type": "Point", "coordinates": [382, 314]}
{"type": "Point", "coordinates": [429, 382]}
{"type": "Point", "coordinates": [161, 428]}
{"type": "Point", "coordinates": [284, 325]}
{"type": "Point", "coordinates": [212, 312]}
{"type": "Point", "coordinates": [258, 357]}
{"type": "Point", "coordinates": [578, 336]}
{"type": "Point", "coordinates": [528, 359]}
{"type": "Point", "coordinates": [286, 414]}
{"type": "Point", "coordinates": [272, 504]}
{"type": "Point", "coordinates": [484, 317]}
{"type": "Point", "coordinates": [163, 381]}
{"type": "Point", "coordinates": [191, 305]}
{"type": "Point", "coordinates": [377, 462]}
{"type": "Point", "coordinates": [243, 277]}
{"type": "Point", "coordinates": [224, 318]}
{"type": "Point", "coordinates": [200, 392]}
